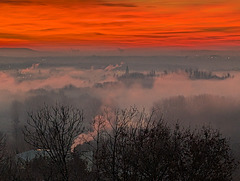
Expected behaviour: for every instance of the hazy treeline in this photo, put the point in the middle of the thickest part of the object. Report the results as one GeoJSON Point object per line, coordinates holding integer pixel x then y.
{"type": "Point", "coordinates": [120, 144]}
{"type": "Point", "coordinates": [196, 74]}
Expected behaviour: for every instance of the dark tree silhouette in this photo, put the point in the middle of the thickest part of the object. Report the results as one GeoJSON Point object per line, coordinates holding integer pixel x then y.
{"type": "Point", "coordinates": [137, 146]}
{"type": "Point", "coordinates": [54, 129]}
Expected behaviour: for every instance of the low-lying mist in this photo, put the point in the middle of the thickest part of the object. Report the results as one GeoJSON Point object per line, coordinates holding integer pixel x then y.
{"type": "Point", "coordinates": [175, 95]}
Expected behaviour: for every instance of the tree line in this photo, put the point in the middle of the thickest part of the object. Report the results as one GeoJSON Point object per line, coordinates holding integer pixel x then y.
{"type": "Point", "coordinates": [118, 145]}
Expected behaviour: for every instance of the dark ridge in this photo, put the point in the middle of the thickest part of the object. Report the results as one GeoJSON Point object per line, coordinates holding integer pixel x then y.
{"type": "Point", "coordinates": [17, 49]}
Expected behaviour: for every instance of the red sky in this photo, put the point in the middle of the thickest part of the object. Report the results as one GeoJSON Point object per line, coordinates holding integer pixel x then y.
{"type": "Point", "coordinates": [89, 24]}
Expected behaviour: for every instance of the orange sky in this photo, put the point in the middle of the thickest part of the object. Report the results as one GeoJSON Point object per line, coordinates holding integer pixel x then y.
{"type": "Point", "coordinates": [90, 24]}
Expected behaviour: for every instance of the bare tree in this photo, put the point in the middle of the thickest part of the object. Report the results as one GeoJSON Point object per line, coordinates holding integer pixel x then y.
{"type": "Point", "coordinates": [138, 146]}
{"type": "Point", "coordinates": [54, 129]}
{"type": "Point", "coordinates": [201, 154]}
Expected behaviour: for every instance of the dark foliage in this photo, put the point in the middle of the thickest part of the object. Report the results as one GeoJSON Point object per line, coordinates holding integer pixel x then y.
{"type": "Point", "coordinates": [138, 147]}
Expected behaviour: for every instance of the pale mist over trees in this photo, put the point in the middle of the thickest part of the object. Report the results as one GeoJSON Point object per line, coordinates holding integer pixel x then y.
{"type": "Point", "coordinates": [192, 134]}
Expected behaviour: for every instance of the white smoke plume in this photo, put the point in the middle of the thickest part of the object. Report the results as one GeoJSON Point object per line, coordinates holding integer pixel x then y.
{"type": "Point", "coordinates": [101, 123]}
{"type": "Point", "coordinates": [30, 69]}
{"type": "Point", "coordinates": [113, 67]}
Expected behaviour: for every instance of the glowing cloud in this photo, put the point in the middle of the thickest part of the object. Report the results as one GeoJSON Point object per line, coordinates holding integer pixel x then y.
{"type": "Point", "coordinates": [91, 24]}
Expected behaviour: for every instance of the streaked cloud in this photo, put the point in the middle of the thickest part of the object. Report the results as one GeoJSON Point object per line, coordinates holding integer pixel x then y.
{"type": "Point", "coordinates": [118, 4]}
{"type": "Point", "coordinates": [14, 36]}
{"type": "Point", "coordinates": [120, 24]}
{"type": "Point", "coordinates": [15, 1]}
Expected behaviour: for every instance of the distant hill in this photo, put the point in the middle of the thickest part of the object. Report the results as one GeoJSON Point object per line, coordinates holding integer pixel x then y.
{"type": "Point", "coordinates": [17, 49]}
{"type": "Point", "coordinates": [14, 52]}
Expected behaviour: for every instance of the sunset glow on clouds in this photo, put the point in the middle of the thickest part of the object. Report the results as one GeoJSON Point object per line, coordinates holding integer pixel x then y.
{"type": "Point", "coordinates": [90, 24]}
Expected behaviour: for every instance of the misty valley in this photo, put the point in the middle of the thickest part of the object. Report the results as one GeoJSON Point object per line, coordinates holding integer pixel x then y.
{"type": "Point", "coordinates": [123, 117]}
